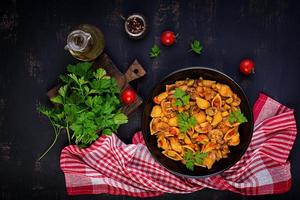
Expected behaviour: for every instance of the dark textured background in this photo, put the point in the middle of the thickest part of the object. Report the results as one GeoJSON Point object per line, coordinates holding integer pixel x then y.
{"type": "Point", "coordinates": [32, 37]}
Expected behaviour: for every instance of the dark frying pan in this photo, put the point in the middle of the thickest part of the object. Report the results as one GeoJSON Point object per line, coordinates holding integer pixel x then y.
{"type": "Point", "coordinates": [245, 129]}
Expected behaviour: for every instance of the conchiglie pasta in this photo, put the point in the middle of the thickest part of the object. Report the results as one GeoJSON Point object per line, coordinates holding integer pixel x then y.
{"type": "Point", "coordinates": [210, 104]}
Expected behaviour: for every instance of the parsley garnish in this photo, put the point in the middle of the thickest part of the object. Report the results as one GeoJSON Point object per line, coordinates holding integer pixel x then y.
{"type": "Point", "coordinates": [88, 104]}
{"type": "Point", "coordinates": [181, 97]}
{"type": "Point", "coordinates": [196, 47]}
{"type": "Point", "coordinates": [237, 116]}
{"type": "Point", "coordinates": [185, 122]}
{"type": "Point", "coordinates": [155, 51]}
{"type": "Point", "coordinates": [191, 159]}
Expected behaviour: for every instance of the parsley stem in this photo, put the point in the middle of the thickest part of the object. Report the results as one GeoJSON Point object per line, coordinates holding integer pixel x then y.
{"type": "Point", "coordinates": [68, 133]}
{"type": "Point", "coordinates": [57, 132]}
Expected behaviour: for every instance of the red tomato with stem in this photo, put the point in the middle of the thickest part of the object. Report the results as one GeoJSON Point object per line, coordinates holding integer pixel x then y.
{"type": "Point", "coordinates": [128, 96]}
{"type": "Point", "coordinates": [168, 38]}
{"type": "Point", "coordinates": [247, 66]}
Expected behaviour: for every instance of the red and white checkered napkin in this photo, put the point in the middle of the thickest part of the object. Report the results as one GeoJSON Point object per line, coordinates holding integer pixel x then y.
{"type": "Point", "coordinates": [110, 166]}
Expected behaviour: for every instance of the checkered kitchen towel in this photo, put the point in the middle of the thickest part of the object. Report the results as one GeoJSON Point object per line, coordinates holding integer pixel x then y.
{"type": "Point", "coordinates": [110, 166]}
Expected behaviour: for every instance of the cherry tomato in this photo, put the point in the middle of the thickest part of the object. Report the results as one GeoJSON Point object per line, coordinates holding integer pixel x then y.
{"type": "Point", "coordinates": [247, 66]}
{"type": "Point", "coordinates": [167, 38]}
{"type": "Point", "coordinates": [128, 96]}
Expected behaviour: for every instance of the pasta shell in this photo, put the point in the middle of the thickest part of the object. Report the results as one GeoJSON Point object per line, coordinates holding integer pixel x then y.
{"type": "Point", "coordinates": [216, 102]}
{"type": "Point", "coordinates": [216, 119]}
{"type": "Point", "coordinates": [170, 87]}
{"type": "Point", "coordinates": [190, 82]}
{"type": "Point", "coordinates": [225, 91]}
{"type": "Point", "coordinates": [235, 140]}
{"type": "Point", "coordinates": [156, 111]}
{"type": "Point", "coordinates": [208, 83]}
{"type": "Point", "coordinates": [190, 131]}
{"type": "Point", "coordinates": [175, 145]}
{"type": "Point", "coordinates": [230, 133]}
{"type": "Point", "coordinates": [200, 117]}
{"type": "Point", "coordinates": [209, 160]}
{"type": "Point", "coordinates": [167, 108]}
{"type": "Point", "coordinates": [173, 121]}
{"type": "Point", "coordinates": [236, 101]}
{"type": "Point", "coordinates": [172, 155]}
{"type": "Point", "coordinates": [163, 143]}
{"type": "Point", "coordinates": [187, 147]}
{"type": "Point", "coordinates": [187, 140]}
{"type": "Point", "coordinates": [160, 97]}
{"type": "Point", "coordinates": [203, 127]}
{"type": "Point", "coordinates": [174, 131]}
{"type": "Point", "coordinates": [162, 126]}
{"type": "Point", "coordinates": [202, 103]}
{"type": "Point", "coordinates": [209, 147]}
{"type": "Point", "coordinates": [203, 139]}
{"type": "Point", "coordinates": [179, 83]}
{"type": "Point", "coordinates": [153, 126]}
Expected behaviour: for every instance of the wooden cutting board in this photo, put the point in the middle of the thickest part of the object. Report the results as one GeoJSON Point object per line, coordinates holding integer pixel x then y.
{"type": "Point", "coordinates": [134, 71]}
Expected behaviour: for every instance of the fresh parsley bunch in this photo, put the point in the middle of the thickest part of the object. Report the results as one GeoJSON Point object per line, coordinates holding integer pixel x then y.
{"type": "Point", "coordinates": [87, 104]}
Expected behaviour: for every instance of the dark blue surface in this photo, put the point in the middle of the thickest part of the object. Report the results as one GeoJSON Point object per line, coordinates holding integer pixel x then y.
{"type": "Point", "coordinates": [32, 37]}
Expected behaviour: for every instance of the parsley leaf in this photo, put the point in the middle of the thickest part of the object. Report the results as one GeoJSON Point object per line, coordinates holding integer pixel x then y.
{"type": "Point", "coordinates": [80, 69]}
{"type": "Point", "coordinates": [190, 165]}
{"type": "Point", "coordinates": [191, 159]}
{"type": "Point", "coordinates": [181, 97]}
{"type": "Point", "coordinates": [155, 51]}
{"type": "Point", "coordinates": [185, 122]}
{"type": "Point", "coordinates": [237, 116]}
{"type": "Point", "coordinates": [199, 157]}
{"type": "Point", "coordinates": [196, 47]}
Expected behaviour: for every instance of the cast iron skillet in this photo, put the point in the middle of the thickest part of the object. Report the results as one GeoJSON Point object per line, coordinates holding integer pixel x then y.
{"type": "Point", "coordinates": [245, 129]}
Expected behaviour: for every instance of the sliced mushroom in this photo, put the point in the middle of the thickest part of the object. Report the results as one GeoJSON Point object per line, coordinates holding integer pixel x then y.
{"type": "Point", "coordinates": [211, 111]}
{"type": "Point", "coordinates": [215, 134]}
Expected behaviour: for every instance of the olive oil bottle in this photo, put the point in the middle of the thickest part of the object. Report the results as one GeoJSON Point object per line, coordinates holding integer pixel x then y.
{"type": "Point", "coordinates": [85, 43]}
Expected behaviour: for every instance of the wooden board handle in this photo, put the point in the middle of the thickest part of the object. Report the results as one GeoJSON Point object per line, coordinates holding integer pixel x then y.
{"type": "Point", "coordinates": [134, 71]}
